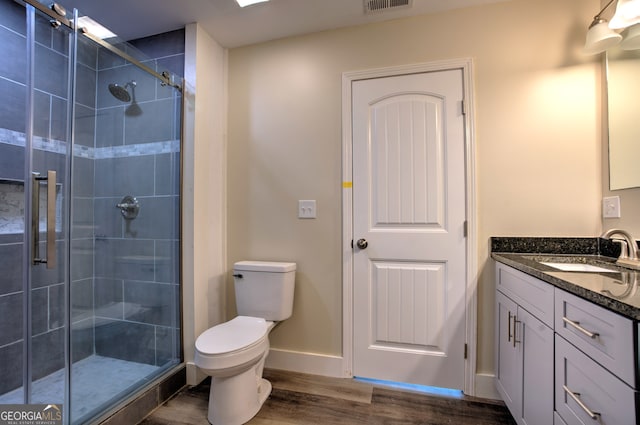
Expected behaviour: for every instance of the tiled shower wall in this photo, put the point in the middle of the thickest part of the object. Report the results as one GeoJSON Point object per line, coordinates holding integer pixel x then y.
{"type": "Point", "coordinates": [125, 298]}
{"type": "Point", "coordinates": [133, 288]}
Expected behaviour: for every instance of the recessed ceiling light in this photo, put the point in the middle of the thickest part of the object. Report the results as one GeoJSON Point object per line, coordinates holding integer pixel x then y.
{"type": "Point", "coordinates": [244, 3]}
{"type": "Point", "coordinates": [95, 28]}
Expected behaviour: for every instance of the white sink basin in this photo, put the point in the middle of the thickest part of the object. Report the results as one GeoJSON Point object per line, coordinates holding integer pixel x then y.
{"type": "Point", "coordinates": [578, 267]}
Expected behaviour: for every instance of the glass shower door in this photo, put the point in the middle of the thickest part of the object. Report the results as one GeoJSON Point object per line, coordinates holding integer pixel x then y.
{"type": "Point", "coordinates": [89, 217]}
{"type": "Point", "coordinates": [51, 100]}
{"type": "Point", "coordinates": [125, 229]}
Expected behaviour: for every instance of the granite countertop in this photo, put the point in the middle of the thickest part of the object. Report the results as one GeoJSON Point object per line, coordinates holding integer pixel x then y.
{"type": "Point", "coordinates": [616, 291]}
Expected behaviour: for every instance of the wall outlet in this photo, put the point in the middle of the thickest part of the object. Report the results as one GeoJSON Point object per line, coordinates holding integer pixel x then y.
{"type": "Point", "coordinates": [611, 207]}
{"type": "Point", "coordinates": [307, 209]}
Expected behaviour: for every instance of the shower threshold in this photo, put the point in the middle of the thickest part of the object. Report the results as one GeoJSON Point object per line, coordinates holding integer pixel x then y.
{"type": "Point", "coordinates": [96, 381]}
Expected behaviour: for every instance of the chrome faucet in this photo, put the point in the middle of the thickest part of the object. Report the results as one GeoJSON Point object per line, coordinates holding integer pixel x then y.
{"type": "Point", "coordinates": [631, 261]}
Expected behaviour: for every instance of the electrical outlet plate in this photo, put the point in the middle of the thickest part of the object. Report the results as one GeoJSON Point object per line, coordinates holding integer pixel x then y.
{"type": "Point", "coordinates": [611, 207]}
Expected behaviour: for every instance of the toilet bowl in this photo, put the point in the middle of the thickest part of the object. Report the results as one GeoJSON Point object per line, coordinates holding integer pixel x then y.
{"type": "Point", "coordinates": [233, 353]}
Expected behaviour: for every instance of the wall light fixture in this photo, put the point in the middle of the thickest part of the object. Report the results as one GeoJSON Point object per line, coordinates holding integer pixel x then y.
{"type": "Point", "coordinates": [602, 35]}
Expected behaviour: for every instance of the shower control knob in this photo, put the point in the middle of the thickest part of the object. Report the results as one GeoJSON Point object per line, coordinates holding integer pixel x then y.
{"type": "Point", "coordinates": [362, 243]}
{"type": "Point", "coordinates": [129, 207]}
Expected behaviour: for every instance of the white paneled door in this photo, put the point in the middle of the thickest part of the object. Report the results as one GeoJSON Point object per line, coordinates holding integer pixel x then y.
{"type": "Point", "coordinates": [408, 226]}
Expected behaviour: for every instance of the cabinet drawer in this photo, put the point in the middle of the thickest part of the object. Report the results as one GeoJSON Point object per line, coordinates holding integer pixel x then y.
{"type": "Point", "coordinates": [557, 420]}
{"type": "Point", "coordinates": [611, 342]}
{"type": "Point", "coordinates": [583, 386]}
{"type": "Point", "coordinates": [532, 294]}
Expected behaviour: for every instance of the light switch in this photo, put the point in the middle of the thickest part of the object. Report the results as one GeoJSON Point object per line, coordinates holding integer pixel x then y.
{"type": "Point", "coordinates": [611, 207]}
{"type": "Point", "coordinates": [307, 209]}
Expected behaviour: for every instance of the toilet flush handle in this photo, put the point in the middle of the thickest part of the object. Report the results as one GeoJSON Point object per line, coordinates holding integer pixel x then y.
{"type": "Point", "coordinates": [238, 275]}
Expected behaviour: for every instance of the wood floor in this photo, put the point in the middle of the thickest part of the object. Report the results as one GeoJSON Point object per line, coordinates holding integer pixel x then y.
{"type": "Point", "coordinates": [307, 399]}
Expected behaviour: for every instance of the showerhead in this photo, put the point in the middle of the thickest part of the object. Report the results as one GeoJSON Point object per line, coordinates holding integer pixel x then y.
{"type": "Point", "coordinates": [119, 92]}
{"type": "Point", "coordinates": [122, 94]}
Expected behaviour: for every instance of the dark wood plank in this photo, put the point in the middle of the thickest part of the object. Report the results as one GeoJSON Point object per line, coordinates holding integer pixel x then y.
{"type": "Point", "coordinates": [343, 388]}
{"type": "Point", "coordinates": [402, 407]}
{"type": "Point", "coordinates": [291, 407]}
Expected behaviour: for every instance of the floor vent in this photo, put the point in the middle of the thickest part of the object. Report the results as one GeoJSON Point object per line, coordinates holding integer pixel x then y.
{"type": "Point", "coordinates": [377, 6]}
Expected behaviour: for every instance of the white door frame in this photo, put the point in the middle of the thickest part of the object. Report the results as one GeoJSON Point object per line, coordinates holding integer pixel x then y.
{"type": "Point", "coordinates": [348, 78]}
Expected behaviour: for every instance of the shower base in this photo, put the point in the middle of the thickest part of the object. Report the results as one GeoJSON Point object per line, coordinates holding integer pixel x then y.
{"type": "Point", "coordinates": [96, 380]}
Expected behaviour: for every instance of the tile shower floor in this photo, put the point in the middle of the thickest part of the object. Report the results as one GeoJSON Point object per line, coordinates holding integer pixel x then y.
{"type": "Point", "coordinates": [95, 380]}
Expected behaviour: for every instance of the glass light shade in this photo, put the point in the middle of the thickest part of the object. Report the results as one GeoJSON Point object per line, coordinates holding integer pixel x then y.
{"type": "Point", "coordinates": [631, 39]}
{"type": "Point", "coordinates": [627, 14]}
{"type": "Point", "coordinates": [600, 37]}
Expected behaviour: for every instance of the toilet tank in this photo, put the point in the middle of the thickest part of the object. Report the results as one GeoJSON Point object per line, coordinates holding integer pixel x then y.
{"type": "Point", "coordinates": [264, 289]}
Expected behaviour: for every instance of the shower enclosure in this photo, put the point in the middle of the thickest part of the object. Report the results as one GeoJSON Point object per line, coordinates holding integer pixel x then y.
{"type": "Point", "coordinates": [89, 214]}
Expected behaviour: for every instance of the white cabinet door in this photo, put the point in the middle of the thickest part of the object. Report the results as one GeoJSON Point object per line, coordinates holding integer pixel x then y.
{"type": "Point", "coordinates": [525, 342]}
{"type": "Point", "coordinates": [508, 365]}
{"type": "Point", "coordinates": [536, 354]}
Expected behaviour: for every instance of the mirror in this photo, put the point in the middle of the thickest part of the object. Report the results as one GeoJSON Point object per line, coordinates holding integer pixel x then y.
{"type": "Point", "coordinates": [623, 85]}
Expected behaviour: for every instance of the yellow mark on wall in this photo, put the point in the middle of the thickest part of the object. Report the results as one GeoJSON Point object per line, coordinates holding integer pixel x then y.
{"type": "Point", "coordinates": [347, 185]}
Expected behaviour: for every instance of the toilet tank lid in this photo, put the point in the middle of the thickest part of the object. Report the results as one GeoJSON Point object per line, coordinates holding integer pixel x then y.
{"type": "Point", "coordinates": [264, 266]}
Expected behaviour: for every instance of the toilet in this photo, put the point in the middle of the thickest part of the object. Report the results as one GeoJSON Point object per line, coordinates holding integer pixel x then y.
{"type": "Point", "coordinates": [233, 353]}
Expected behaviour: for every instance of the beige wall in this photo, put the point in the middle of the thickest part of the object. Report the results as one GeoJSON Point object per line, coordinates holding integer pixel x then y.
{"type": "Point", "coordinates": [537, 140]}
{"type": "Point", "coordinates": [204, 189]}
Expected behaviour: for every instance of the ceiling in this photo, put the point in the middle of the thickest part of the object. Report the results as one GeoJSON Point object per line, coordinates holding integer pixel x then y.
{"type": "Point", "coordinates": [232, 26]}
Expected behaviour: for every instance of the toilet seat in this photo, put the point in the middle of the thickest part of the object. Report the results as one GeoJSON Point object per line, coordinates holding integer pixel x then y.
{"type": "Point", "coordinates": [233, 343]}
{"type": "Point", "coordinates": [236, 334]}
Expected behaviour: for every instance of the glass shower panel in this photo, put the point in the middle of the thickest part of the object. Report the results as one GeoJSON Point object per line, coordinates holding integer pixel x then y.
{"type": "Point", "coordinates": [34, 146]}
{"type": "Point", "coordinates": [13, 44]}
{"type": "Point", "coordinates": [125, 229]}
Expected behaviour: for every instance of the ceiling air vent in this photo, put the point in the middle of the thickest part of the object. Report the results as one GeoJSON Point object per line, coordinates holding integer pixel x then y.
{"type": "Point", "coordinates": [377, 6]}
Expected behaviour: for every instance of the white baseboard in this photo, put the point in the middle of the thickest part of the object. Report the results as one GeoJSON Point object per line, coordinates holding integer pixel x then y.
{"type": "Point", "coordinates": [311, 363]}
{"type": "Point", "coordinates": [485, 386]}
{"type": "Point", "coordinates": [326, 365]}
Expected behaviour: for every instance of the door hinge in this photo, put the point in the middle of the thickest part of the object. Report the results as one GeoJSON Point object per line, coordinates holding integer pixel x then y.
{"type": "Point", "coordinates": [465, 228]}
{"type": "Point", "coordinates": [465, 351]}
{"type": "Point", "coordinates": [464, 107]}
{"type": "Point", "coordinates": [351, 243]}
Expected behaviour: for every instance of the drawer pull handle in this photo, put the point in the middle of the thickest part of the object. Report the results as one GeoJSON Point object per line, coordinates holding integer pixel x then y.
{"type": "Point", "coordinates": [509, 328]}
{"type": "Point", "coordinates": [576, 325]}
{"type": "Point", "coordinates": [574, 396]}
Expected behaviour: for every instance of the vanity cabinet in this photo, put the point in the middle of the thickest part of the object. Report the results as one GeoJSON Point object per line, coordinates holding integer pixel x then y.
{"type": "Point", "coordinates": [524, 355]}
{"type": "Point", "coordinates": [561, 359]}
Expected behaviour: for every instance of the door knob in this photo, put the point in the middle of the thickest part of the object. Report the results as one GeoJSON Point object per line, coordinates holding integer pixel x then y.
{"type": "Point", "coordinates": [362, 243]}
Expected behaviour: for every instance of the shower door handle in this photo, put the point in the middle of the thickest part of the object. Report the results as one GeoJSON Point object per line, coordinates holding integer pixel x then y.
{"type": "Point", "coordinates": [50, 259]}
